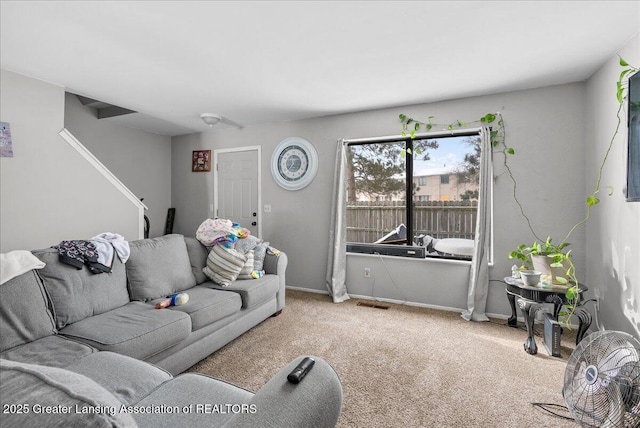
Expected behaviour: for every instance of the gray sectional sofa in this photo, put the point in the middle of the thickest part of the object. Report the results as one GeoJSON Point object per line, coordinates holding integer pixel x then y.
{"type": "Point", "coordinates": [84, 349]}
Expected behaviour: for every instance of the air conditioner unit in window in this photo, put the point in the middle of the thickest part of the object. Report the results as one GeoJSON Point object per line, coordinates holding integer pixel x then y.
{"type": "Point", "coordinates": [387, 250]}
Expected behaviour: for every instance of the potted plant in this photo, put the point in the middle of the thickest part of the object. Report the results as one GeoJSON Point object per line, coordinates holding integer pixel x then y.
{"type": "Point", "coordinates": [557, 256]}
{"type": "Point", "coordinates": [547, 258]}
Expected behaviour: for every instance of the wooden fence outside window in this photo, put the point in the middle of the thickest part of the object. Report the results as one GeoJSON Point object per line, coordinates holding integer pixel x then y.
{"type": "Point", "coordinates": [368, 221]}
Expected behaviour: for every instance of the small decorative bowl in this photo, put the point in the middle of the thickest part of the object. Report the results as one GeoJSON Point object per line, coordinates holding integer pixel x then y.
{"type": "Point", "coordinates": [530, 277]}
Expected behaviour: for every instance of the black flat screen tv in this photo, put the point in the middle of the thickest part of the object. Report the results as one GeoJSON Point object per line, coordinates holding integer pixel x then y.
{"type": "Point", "coordinates": [633, 143]}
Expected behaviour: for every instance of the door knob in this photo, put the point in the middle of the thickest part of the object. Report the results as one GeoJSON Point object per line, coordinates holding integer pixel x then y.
{"type": "Point", "coordinates": [254, 223]}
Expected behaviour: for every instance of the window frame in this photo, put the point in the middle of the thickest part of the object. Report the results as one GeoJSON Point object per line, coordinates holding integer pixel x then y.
{"type": "Point", "coordinates": [408, 140]}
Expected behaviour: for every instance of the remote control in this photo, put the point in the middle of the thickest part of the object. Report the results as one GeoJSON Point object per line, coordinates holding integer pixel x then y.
{"type": "Point", "coordinates": [301, 370]}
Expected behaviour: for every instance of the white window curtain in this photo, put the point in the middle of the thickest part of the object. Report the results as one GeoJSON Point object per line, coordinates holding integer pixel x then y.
{"type": "Point", "coordinates": [479, 272]}
{"type": "Point", "coordinates": [336, 270]}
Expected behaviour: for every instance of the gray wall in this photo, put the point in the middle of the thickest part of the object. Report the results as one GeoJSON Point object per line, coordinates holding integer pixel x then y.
{"type": "Point", "coordinates": [546, 127]}
{"type": "Point", "coordinates": [141, 160]}
{"type": "Point", "coordinates": [613, 232]}
{"type": "Point", "coordinates": [48, 191]}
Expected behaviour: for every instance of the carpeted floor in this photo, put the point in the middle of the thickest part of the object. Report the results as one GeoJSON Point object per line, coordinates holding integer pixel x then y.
{"type": "Point", "coordinates": [405, 366]}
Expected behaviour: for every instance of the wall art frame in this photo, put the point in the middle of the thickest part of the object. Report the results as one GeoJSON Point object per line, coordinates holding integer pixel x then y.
{"type": "Point", "coordinates": [201, 161]}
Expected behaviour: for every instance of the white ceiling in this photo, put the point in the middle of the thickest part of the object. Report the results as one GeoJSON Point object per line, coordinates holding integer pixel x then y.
{"type": "Point", "coordinates": [270, 61]}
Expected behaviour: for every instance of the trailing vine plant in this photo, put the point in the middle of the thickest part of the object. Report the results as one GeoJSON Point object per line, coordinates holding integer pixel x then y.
{"type": "Point", "coordinates": [559, 257]}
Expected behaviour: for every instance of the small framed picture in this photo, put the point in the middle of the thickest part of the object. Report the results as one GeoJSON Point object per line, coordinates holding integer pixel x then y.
{"type": "Point", "coordinates": [201, 161]}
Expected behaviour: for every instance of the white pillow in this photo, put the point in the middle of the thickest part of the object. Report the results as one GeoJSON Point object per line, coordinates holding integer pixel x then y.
{"type": "Point", "coordinates": [224, 265]}
{"type": "Point", "coordinates": [247, 269]}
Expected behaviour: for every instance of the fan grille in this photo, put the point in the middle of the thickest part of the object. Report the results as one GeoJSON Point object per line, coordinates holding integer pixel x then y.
{"type": "Point", "coordinates": [602, 381]}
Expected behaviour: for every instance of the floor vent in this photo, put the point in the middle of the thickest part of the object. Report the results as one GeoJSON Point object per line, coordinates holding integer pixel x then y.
{"type": "Point", "coordinates": [373, 305]}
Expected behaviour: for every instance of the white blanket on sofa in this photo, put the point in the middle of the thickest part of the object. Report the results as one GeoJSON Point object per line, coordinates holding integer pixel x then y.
{"type": "Point", "coordinates": [15, 263]}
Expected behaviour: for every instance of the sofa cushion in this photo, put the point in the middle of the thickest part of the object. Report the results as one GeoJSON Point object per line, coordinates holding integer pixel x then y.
{"type": "Point", "coordinates": [57, 397]}
{"type": "Point", "coordinates": [130, 380]}
{"type": "Point", "coordinates": [77, 293]}
{"type": "Point", "coordinates": [224, 265]}
{"type": "Point", "coordinates": [198, 257]}
{"type": "Point", "coordinates": [158, 267]}
{"type": "Point", "coordinates": [256, 291]}
{"type": "Point", "coordinates": [24, 312]}
{"type": "Point", "coordinates": [207, 397]}
{"type": "Point", "coordinates": [137, 329]}
{"type": "Point", "coordinates": [55, 351]}
{"type": "Point", "coordinates": [206, 306]}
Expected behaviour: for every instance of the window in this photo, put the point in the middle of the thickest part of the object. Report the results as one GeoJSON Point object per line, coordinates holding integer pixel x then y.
{"type": "Point", "coordinates": [412, 200]}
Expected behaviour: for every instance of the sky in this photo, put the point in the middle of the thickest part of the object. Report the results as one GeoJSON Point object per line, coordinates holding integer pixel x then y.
{"type": "Point", "coordinates": [447, 157]}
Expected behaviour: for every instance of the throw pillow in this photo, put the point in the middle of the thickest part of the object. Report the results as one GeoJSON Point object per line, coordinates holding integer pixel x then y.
{"type": "Point", "coordinates": [247, 269]}
{"type": "Point", "coordinates": [247, 244]}
{"type": "Point", "coordinates": [258, 256]}
{"type": "Point", "coordinates": [224, 265]}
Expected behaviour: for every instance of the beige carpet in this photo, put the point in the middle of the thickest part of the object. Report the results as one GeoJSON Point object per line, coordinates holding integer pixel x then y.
{"type": "Point", "coordinates": [404, 366]}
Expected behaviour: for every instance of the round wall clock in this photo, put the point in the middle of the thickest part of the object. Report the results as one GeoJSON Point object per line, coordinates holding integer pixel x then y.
{"type": "Point", "coordinates": [294, 163]}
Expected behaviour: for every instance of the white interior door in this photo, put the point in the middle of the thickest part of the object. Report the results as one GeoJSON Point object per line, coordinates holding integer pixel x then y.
{"type": "Point", "coordinates": [237, 188]}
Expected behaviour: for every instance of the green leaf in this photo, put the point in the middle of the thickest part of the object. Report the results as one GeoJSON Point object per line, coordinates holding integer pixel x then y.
{"type": "Point", "coordinates": [409, 151]}
{"type": "Point", "coordinates": [620, 92]}
{"type": "Point", "coordinates": [413, 134]}
{"type": "Point", "coordinates": [488, 118]}
{"type": "Point", "coordinates": [493, 134]}
{"type": "Point", "coordinates": [563, 280]}
{"type": "Point", "coordinates": [511, 151]}
{"type": "Point", "coordinates": [403, 154]}
{"type": "Point", "coordinates": [417, 126]}
{"type": "Point", "coordinates": [418, 151]}
{"type": "Point", "coordinates": [402, 117]}
{"type": "Point", "coordinates": [429, 126]}
{"type": "Point", "coordinates": [592, 200]}
{"type": "Point", "coordinates": [623, 62]}
{"type": "Point", "coordinates": [623, 73]}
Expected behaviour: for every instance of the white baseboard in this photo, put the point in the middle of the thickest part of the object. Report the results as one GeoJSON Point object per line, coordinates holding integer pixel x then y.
{"type": "Point", "coordinates": [308, 290]}
{"type": "Point", "coordinates": [416, 304]}
{"type": "Point", "coordinates": [402, 302]}
{"type": "Point", "coordinates": [380, 299]}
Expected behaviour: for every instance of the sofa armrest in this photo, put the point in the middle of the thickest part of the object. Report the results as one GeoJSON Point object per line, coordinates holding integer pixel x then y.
{"type": "Point", "coordinates": [276, 264]}
{"type": "Point", "coordinates": [314, 402]}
